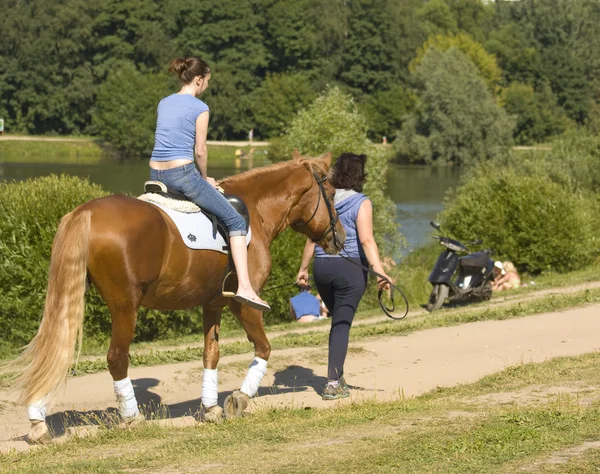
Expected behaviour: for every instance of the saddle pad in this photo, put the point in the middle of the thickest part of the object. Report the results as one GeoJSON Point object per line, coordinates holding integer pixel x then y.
{"type": "Point", "coordinates": [195, 228]}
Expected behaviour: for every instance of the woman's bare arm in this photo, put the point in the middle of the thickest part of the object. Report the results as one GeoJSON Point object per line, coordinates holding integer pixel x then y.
{"type": "Point", "coordinates": [200, 148]}
{"type": "Point", "coordinates": [364, 224]}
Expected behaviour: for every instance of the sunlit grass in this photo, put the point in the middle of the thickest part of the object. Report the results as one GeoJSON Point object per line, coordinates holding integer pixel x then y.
{"type": "Point", "coordinates": [445, 430]}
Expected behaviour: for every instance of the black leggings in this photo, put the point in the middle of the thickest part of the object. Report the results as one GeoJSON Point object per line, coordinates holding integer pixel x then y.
{"type": "Point", "coordinates": [341, 285]}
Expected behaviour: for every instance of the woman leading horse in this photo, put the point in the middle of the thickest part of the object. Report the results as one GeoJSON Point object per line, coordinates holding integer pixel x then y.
{"type": "Point", "coordinates": [133, 254]}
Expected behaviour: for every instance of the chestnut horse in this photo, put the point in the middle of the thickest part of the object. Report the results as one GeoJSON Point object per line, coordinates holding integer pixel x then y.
{"type": "Point", "coordinates": [133, 254]}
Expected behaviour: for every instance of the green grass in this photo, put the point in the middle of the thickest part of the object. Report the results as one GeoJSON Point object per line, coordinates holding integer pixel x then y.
{"type": "Point", "coordinates": [227, 153]}
{"type": "Point", "coordinates": [443, 431]}
{"type": "Point", "coordinates": [89, 151]}
{"type": "Point", "coordinates": [79, 152]}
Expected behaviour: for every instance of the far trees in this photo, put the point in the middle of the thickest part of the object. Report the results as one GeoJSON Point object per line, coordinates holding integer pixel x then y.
{"type": "Point", "coordinates": [457, 119]}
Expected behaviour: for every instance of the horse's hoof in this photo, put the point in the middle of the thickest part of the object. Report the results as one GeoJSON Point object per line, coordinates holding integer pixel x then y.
{"type": "Point", "coordinates": [235, 404]}
{"type": "Point", "coordinates": [132, 421]}
{"type": "Point", "coordinates": [39, 433]}
{"type": "Point", "coordinates": [213, 414]}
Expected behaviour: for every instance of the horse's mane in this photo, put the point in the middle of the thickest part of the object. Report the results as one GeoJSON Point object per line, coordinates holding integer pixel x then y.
{"type": "Point", "coordinates": [313, 163]}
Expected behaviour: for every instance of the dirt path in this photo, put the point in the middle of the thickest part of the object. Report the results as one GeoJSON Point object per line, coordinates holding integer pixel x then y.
{"type": "Point", "coordinates": [498, 301]}
{"type": "Point", "coordinates": [380, 369]}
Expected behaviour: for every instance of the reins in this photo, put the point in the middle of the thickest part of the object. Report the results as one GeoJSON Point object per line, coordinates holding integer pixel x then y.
{"type": "Point", "coordinates": [393, 287]}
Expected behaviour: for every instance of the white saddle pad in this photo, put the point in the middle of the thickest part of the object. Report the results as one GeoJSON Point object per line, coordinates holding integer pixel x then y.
{"type": "Point", "coordinates": [195, 228]}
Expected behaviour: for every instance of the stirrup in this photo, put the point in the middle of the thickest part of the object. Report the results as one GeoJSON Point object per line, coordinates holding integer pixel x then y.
{"type": "Point", "coordinates": [227, 292]}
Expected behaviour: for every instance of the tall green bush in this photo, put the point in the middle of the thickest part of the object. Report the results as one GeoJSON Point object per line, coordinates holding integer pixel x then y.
{"type": "Point", "coordinates": [31, 211]}
{"type": "Point", "coordinates": [539, 210]}
{"type": "Point", "coordinates": [333, 123]}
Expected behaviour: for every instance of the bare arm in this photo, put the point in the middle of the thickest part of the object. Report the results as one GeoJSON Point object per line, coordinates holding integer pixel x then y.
{"type": "Point", "coordinates": [200, 148]}
{"type": "Point", "coordinates": [309, 250]}
{"type": "Point", "coordinates": [364, 224]}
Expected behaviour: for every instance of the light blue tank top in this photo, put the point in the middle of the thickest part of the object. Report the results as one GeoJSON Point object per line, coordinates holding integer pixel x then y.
{"type": "Point", "coordinates": [305, 303]}
{"type": "Point", "coordinates": [347, 204]}
{"type": "Point", "coordinates": [176, 127]}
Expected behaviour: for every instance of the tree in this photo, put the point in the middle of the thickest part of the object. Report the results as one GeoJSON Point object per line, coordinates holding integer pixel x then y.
{"type": "Point", "coordinates": [228, 35]}
{"type": "Point", "coordinates": [538, 116]}
{"type": "Point", "coordinates": [457, 120]}
{"type": "Point", "coordinates": [47, 81]}
{"type": "Point", "coordinates": [486, 63]}
{"type": "Point", "coordinates": [437, 18]}
{"type": "Point", "coordinates": [279, 98]}
{"type": "Point", "coordinates": [385, 111]}
{"type": "Point", "coordinates": [125, 114]}
{"type": "Point", "coordinates": [333, 124]}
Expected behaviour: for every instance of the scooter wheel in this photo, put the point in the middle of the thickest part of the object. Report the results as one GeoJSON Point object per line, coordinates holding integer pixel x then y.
{"type": "Point", "coordinates": [437, 297]}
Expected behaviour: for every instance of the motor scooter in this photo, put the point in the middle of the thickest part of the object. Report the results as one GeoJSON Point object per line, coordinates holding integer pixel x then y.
{"type": "Point", "coordinates": [474, 273]}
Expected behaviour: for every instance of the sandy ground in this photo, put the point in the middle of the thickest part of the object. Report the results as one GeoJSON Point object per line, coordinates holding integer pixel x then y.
{"type": "Point", "coordinates": [379, 369]}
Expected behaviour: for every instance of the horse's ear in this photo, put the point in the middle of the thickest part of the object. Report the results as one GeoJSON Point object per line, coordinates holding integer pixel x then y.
{"type": "Point", "coordinates": [296, 154]}
{"type": "Point", "coordinates": [327, 158]}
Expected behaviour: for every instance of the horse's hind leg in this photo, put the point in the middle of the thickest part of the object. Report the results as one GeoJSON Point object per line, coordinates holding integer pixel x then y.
{"type": "Point", "coordinates": [211, 320]}
{"type": "Point", "coordinates": [252, 321]}
{"type": "Point", "coordinates": [123, 327]}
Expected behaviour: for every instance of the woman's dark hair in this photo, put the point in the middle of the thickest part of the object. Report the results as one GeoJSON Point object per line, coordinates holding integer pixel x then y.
{"type": "Point", "coordinates": [348, 172]}
{"type": "Point", "coordinates": [188, 68]}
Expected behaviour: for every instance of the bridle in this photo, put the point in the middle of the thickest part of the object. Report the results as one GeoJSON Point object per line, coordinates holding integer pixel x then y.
{"type": "Point", "coordinates": [333, 217]}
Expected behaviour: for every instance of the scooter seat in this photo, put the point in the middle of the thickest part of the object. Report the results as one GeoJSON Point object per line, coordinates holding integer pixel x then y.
{"type": "Point", "coordinates": [477, 259]}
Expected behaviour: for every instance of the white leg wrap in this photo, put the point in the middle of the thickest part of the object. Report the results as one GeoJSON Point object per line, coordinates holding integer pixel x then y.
{"type": "Point", "coordinates": [128, 407]}
{"type": "Point", "coordinates": [210, 388]}
{"type": "Point", "coordinates": [256, 372]}
{"type": "Point", "coordinates": [37, 410]}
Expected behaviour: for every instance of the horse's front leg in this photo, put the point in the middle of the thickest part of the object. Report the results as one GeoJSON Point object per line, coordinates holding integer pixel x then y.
{"type": "Point", "coordinates": [210, 411]}
{"type": "Point", "coordinates": [252, 321]}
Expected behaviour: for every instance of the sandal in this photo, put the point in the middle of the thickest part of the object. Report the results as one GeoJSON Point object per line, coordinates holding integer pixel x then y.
{"type": "Point", "coordinates": [253, 303]}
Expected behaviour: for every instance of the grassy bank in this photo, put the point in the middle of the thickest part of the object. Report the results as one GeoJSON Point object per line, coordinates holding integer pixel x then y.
{"type": "Point", "coordinates": [89, 151]}
{"type": "Point", "coordinates": [522, 419]}
{"type": "Point", "coordinates": [71, 152]}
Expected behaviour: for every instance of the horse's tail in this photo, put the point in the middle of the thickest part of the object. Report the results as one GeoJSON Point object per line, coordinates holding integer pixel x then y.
{"type": "Point", "coordinates": [51, 351]}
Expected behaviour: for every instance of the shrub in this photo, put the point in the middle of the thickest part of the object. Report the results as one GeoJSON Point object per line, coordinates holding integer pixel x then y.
{"type": "Point", "coordinates": [30, 213]}
{"type": "Point", "coordinates": [528, 218]}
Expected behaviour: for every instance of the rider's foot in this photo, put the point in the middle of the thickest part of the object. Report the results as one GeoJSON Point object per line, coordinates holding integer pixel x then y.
{"type": "Point", "coordinates": [252, 300]}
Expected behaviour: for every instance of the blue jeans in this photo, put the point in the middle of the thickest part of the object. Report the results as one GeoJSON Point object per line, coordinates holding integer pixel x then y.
{"type": "Point", "coordinates": [188, 181]}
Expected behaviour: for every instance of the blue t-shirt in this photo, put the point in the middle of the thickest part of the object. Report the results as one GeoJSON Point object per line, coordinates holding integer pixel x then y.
{"type": "Point", "coordinates": [176, 127]}
{"type": "Point", "coordinates": [305, 303]}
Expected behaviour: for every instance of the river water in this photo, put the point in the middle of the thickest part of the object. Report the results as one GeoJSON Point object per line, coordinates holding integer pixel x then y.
{"type": "Point", "coordinates": [417, 191]}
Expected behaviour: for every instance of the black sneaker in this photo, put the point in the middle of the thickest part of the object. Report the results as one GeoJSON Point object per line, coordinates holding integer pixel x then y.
{"type": "Point", "coordinates": [335, 391]}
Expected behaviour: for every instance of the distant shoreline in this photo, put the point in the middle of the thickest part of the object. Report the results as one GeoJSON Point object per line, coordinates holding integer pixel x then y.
{"type": "Point", "coordinates": [33, 138]}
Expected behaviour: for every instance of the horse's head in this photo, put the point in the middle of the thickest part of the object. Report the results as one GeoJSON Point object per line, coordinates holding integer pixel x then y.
{"type": "Point", "coordinates": [314, 215]}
